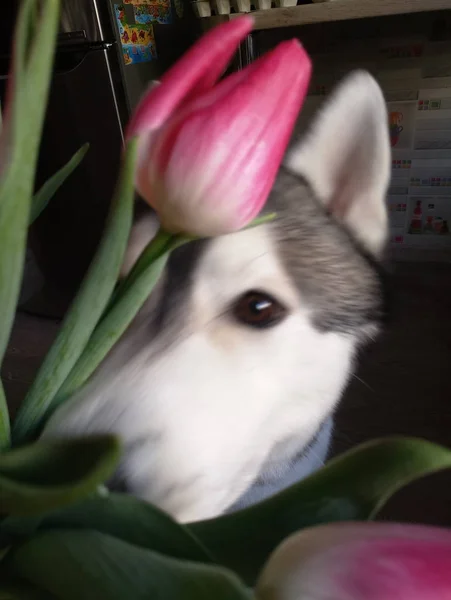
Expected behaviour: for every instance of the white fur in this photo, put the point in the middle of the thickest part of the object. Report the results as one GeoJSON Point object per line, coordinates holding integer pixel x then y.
{"type": "Point", "coordinates": [202, 415]}
{"type": "Point", "coordinates": [142, 232]}
{"type": "Point", "coordinates": [224, 395]}
{"type": "Point", "coordinates": [346, 158]}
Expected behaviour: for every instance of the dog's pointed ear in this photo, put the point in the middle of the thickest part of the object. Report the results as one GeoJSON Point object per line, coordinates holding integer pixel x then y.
{"type": "Point", "coordinates": [345, 157]}
{"type": "Point", "coordinates": [144, 228]}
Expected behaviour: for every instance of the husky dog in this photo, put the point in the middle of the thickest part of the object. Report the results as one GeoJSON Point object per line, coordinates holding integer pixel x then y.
{"type": "Point", "coordinates": [224, 387]}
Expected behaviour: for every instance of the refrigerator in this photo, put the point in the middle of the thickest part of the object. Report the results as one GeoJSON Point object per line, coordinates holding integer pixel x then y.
{"type": "Point", "coordinates": [410, 56]}
{"type": "Point", "coordinates": [93, 91]}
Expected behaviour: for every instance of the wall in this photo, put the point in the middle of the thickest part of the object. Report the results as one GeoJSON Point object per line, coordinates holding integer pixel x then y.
{"type": "Point", "coordinates": [410, 56]}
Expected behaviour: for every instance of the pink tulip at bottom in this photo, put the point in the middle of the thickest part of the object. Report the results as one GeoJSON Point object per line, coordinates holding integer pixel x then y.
{"type": "Point", "coordinates": [209, 151]}
{"type": "Point", "coordinates": [360, 561]}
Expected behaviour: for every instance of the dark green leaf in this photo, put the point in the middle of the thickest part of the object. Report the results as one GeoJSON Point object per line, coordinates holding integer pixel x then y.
{"type": "Point", "coordinates": [19, 144]}
{"type": "Point", "coordinates": [5, 433]}
{"type": "Point", "coordinates": [122, 516]}
{"type": "Point", "coordinates": [19, 590]}
{"type": "Point", "coordinates": [351, 487]}
{"type": "Point", "coordinates": [86, 309]}
{"type": "Point", "coordinates": [93, 566]}
{"type": "Point", "coordinates": [51, 186]}
{"type": "Point", "coordinates": [49, 474]}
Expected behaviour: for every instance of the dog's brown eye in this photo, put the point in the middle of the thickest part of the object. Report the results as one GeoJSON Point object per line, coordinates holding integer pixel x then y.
{"type": "Point", "coordinates": [258, 309]}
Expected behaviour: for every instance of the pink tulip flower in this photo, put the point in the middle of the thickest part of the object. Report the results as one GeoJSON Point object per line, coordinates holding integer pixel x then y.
{"type": "Point", "coordinates": [360, 561]}
{"type": "Point", "coordinates": [209, 151]}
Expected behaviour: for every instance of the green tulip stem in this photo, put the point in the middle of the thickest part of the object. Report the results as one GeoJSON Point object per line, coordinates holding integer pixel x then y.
{"type": "Point", "coordinates": [128, 300]}
{"type": "Point", "coordinates": [87, 308]}
{"type": "Point", "coordinates": [5, 428]}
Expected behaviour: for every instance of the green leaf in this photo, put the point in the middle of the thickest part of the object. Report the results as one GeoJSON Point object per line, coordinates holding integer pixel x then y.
{"type": "Point", "coordinates": [51, 186]}
{"type": "Point", "coordinates": [86, 309]}
{"type": "Point", "coordinates": [119, 515]}
{"type": "Point", "coordinates": [156, 248]}
{"type": "Point", "coordinates": [93, 566]}
{"type": "Point", "coordinates": [352, 487]}
{"type": "Point", "coordinates": [49, 474]}
{"type": "Point", "coordinates": [5, 433]}
{"type": "Point", "coordinates": [19, 144]}
{"type": "Point", "coordinates": [125, 305]}
{"type": "Point", "coordinates": [13, 589]}
{"type": "Point", "coordinates": [110, 329]}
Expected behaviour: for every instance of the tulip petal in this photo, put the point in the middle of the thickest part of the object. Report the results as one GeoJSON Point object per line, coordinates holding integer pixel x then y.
{"type": "Point", "coordinates": [360, 561]}
{"type": "Point", "coordinates": [226, 147]}
{"type": "Point", "coordinates": [197, 71]}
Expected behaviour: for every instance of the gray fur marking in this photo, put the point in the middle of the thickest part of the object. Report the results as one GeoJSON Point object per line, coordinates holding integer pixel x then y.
{"type": "Point", "coordinates": [338, 280]}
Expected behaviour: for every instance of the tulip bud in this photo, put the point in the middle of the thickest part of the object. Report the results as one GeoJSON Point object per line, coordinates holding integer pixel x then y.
{"type": "Point", "coordinates": [360, 561]}
{"type": "Point", "coordinates": [209, 151]}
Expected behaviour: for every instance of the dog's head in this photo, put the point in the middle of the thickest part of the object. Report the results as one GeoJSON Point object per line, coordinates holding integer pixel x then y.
{"type": "Point", "coordinates": [245, 346]}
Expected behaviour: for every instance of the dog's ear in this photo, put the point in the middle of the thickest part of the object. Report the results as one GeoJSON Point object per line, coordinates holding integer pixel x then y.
{"type": "Point", "coordinates": [345, 157]}
{"type": "Point", "coordinates": [144, 228]}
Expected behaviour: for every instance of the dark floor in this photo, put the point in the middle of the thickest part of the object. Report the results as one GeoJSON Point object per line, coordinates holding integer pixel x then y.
{"type": "Point", "coordinates": [402, 385]}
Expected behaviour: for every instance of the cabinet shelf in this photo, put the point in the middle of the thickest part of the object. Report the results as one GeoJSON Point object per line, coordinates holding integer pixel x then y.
{"type": "Point", "coordinates": [334, 10]}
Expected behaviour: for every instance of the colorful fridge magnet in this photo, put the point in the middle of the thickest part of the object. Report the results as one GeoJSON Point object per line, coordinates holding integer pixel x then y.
{"type": "Point", "coordinates": [137, 40]}
{"type": "Point", "coordinates": [416, 222]}
{"type": "Point", "coordinates": [396, 118]}
{"type": "Point", "coordinates": [159, 10]}
{"type": "Point", "coordinates": [138, 2]}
